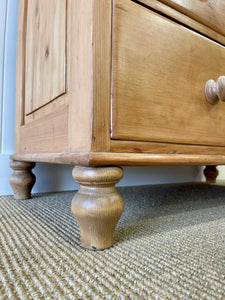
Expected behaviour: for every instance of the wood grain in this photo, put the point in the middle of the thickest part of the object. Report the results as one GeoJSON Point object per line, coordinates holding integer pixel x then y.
{"type": "Point", "coordinates": [101, 75]}
{"type": "Point", "coordinates": [46, 134]}
{"type": "Point", "coordinates": [97, 206]}
{"type": "Point", "coordinates": [66, 158]}
{"type": "Point", "coordinates": [210, 13]}
{"type": "Point", "coordinates": [163, 148]}
{"type": "Point", "coordinates": [80, 63]}
{"type": "Point", "coordinates": [144, 159]}
{"type": "Point", "coordinates": [89, 74]}
{"type": "Point", "coordinates": [20, 71]}
{"type": "Point", "coordinates": [184, 19]}
{"type": "Point", "coordinates": [38, 131]}
{"type": "Point", "coordinates": [45, 52]}
{"type": "Point", "coordinates": [22, 180]}
{"type": "Point", "coordinates": [48, 109]}
{"type": "Point", "coordinates": [121, 159]}
{"type": "Point", "coordinates": [158, 83]}
{"type": "Point", "coordinates": [148, 104]}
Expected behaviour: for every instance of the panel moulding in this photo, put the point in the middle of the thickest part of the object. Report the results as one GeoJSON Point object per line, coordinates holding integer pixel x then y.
{"type": "Point", "coordinates": [3, 14]}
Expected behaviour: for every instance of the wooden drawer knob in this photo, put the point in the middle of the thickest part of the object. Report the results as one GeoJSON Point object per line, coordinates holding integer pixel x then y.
{"type": "Point", "coordinates": [215, 91]}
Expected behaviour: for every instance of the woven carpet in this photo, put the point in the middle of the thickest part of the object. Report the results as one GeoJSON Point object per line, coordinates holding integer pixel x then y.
{"type": "Point", "coordinates": [169, 244]}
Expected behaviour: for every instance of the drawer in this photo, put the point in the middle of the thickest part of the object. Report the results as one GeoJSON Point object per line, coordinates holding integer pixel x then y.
{"type": "Point", "coordinates": [208, 12]}
{"type": "Point", "coordinates": [159, 73]}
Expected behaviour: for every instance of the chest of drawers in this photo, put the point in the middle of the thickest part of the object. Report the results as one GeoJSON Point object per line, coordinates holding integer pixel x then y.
{"type": "Point", "coordinates": [105, 83]}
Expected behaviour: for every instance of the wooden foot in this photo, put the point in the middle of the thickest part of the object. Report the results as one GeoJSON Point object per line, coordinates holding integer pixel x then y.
{"type": "Point", "coordinates": [211, 174]}
{"type": "Point", "coordinates": [97, 206]}
{"type": "Point", "coordinates": [22, 180]}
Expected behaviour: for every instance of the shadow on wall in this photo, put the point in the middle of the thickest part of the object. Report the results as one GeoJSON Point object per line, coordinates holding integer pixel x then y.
{"type": "Point", "coordinates": [54, 177]}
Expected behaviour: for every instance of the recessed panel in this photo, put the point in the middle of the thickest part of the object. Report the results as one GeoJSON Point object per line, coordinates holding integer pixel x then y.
{"type": "Point", "coordinates": [45, 53]}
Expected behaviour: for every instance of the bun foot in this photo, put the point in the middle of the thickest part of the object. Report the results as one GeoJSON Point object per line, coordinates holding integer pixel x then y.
{"type": "Point", "coordinates": [22, 180]}
{"type": "Point", "coordinates": [97, 206]}
{"type": "Point", "coordinates": [211, 174]}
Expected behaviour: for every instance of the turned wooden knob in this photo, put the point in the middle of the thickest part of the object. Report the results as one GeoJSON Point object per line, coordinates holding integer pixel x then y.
{"type": "Point", "coordinates": [215, 91]}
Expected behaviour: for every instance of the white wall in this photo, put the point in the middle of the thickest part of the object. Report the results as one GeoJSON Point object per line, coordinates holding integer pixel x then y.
{"type": "Point", "coordinates": [56, 177]}
{"type": "Point", "coordinates": [5, 98]}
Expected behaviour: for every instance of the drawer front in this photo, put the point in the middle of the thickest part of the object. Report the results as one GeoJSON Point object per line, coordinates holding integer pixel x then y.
{"type": "Point", "coordinates": [159, 73]}
{"type": "Point", "coordinates": [210, 12]}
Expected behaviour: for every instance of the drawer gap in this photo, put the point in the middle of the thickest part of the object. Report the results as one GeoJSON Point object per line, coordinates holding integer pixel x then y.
{"type": "Point", "coordinates": [177, 21]}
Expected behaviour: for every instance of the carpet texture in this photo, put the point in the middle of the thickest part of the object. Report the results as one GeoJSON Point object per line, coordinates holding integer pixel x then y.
{"type": "Point", "coordinates": [169, 244]}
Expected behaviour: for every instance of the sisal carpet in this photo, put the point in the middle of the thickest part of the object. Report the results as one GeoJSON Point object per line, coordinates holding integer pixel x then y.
{"type": "Point", "coordinates": [170, 244]}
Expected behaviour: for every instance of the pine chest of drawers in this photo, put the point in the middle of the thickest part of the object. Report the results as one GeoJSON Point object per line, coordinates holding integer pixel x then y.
{"type": "Point", "coordinates": [105, 83]}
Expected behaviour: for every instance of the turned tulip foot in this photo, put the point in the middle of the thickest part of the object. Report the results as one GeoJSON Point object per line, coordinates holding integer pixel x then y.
{"type": "Point", "coordinates": [22, 180]}
{"type": "Point", "coordinates": [211, 174]}
{"type": "Point", "coordinates": [97, 206]}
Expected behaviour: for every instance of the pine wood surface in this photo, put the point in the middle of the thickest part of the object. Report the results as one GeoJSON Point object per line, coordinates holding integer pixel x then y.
{"type": "Point", "coordinates": [86, 42]}
{"type": "Point", "coordinates": [176, 13]}
{"type": "Point", "coordinates": [101, 75]}
{"type": "Point", "coordinates": [46, 134]}
{"type": "Point", "coordinates": [163, 148]}
{"type": "Point", "coordinates": [79, 76]}
{"type": "Point", "coordinates": [75, 127]}
{"type": "Point", "coordinates": [210, 13]}
{"type": "Point", "coordinates": [20, 71]}
{"type": "Point", "coordinates": [45, 62]}
{"type": "Point", "coordinates": [159, 73]}
{"type": "Point", "coordinates": [97, 206]}
{"type": "Point", "coordinates": [22, 180]}
{"type": "Point", "coordinates": [121, 159]}
{"type": "Point", "coordinates": [46, 128]}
